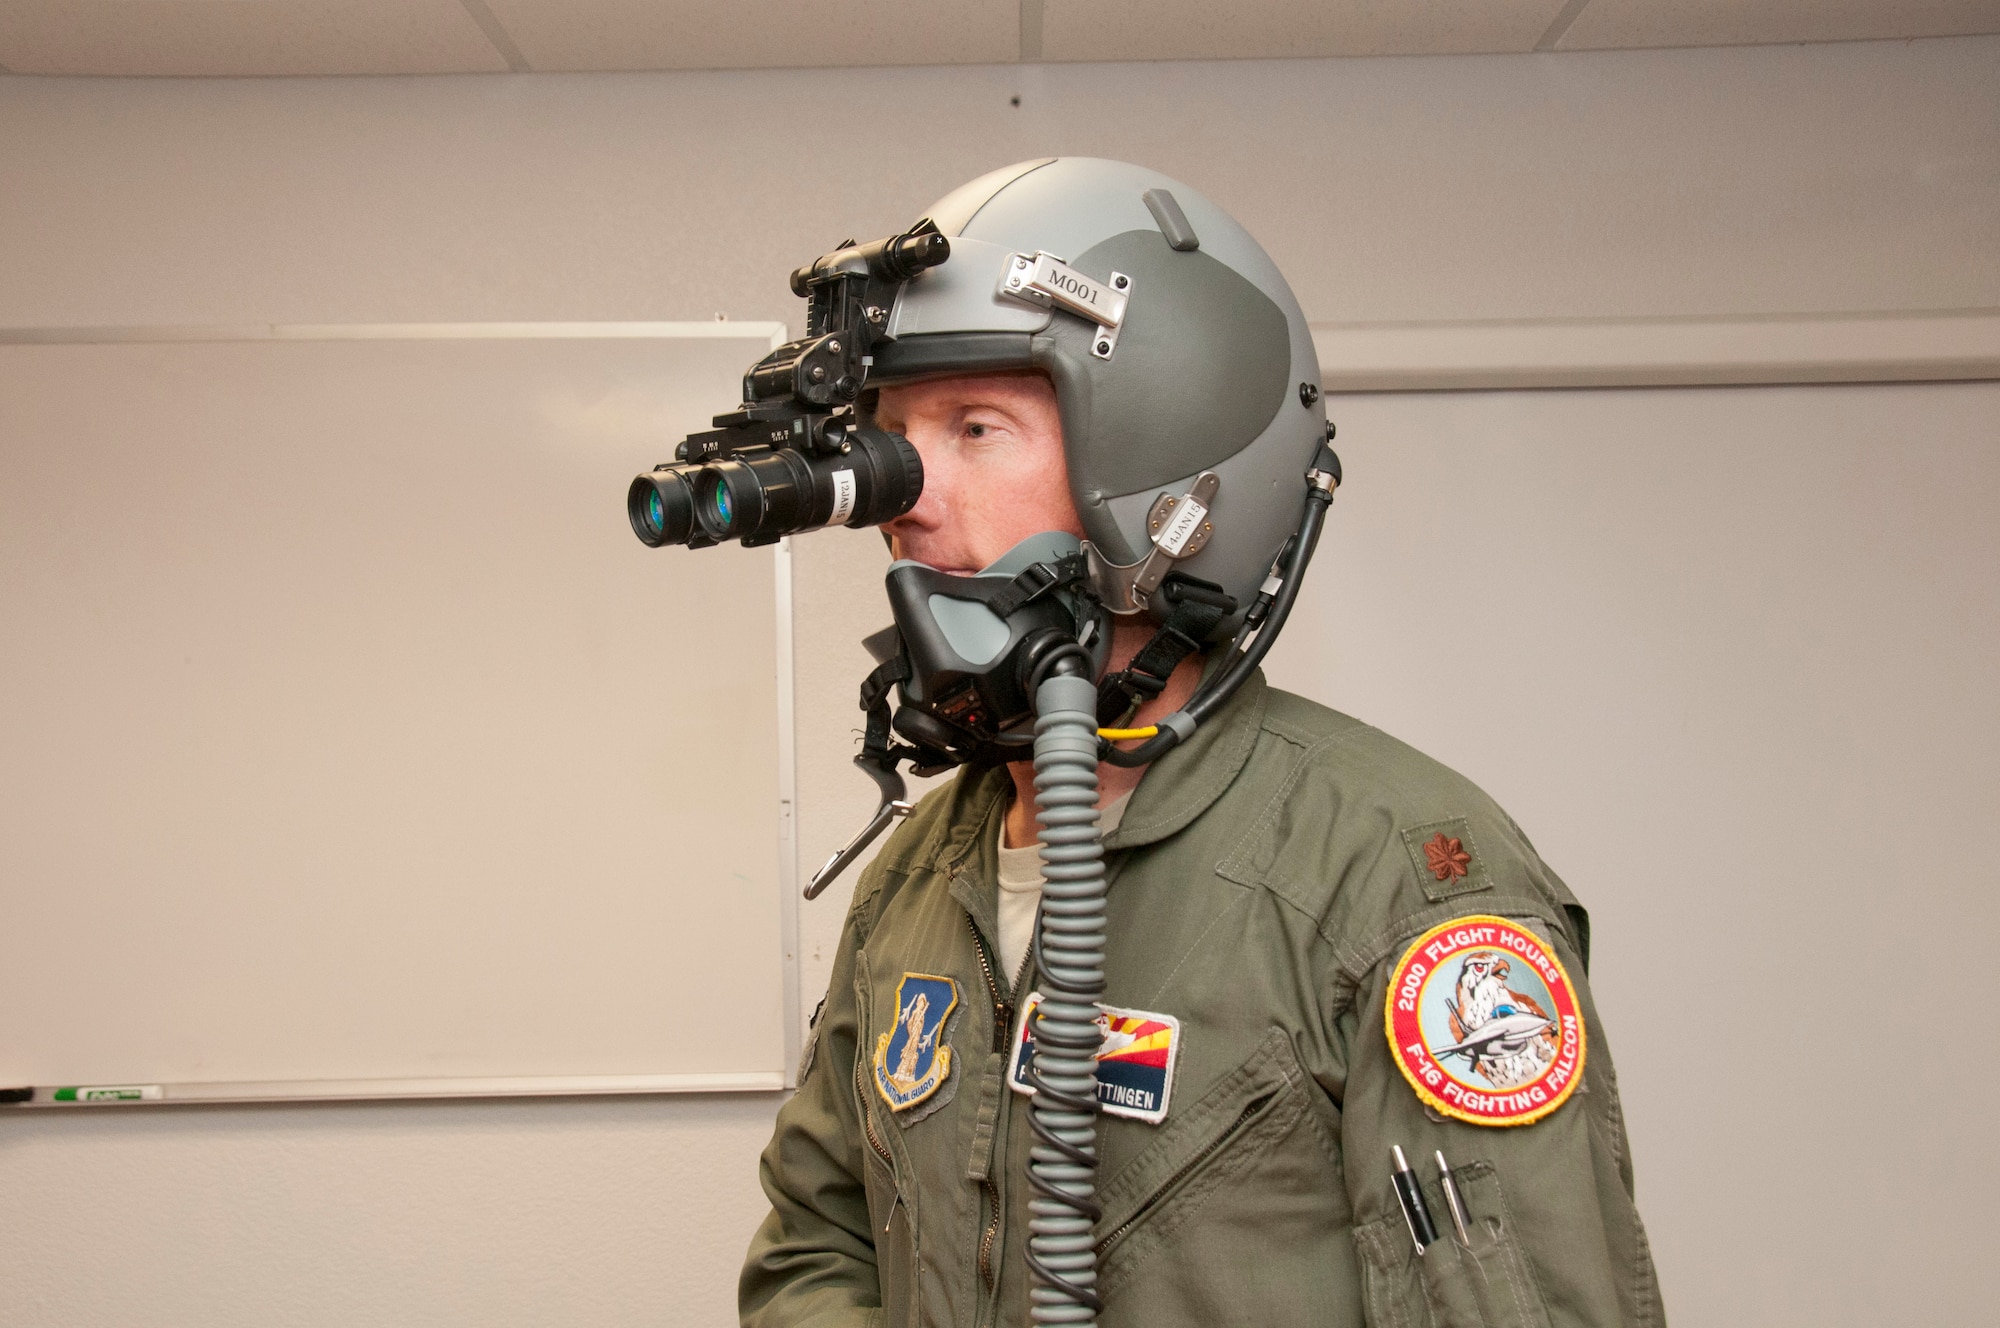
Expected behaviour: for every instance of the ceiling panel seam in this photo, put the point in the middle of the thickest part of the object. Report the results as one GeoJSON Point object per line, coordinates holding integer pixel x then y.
{"type": "Point", "coordinates": [503, 41]}
{"type": "Point", "coordinates": [1559, 26]}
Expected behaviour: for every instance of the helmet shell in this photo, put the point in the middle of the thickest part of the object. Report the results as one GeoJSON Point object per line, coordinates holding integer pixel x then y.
{"type": "Point", "coordinates": [1209, 372]}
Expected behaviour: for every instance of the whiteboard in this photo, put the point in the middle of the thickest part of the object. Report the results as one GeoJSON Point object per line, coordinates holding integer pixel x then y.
{"type": "Point", "coordinates": [354, 746]}
{"type": "Point", "coordinates": [1729, 656]}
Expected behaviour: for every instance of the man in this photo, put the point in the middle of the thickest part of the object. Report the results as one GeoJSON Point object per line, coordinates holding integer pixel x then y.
{"type": "Point", "coordinates": [1324, 947]}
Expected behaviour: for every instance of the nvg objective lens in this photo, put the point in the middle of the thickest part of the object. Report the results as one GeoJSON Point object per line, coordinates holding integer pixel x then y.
{"type": "Point", "coordinates": [661, 506]}
{"type": "Point", "coordinates": [723, 507]}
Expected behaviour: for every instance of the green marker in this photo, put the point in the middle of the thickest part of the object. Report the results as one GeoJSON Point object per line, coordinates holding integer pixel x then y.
{"type": "Point", "coordinates": [119, 1093]}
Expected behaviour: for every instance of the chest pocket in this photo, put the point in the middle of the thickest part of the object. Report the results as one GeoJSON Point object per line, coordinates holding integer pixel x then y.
{"type": "Point", "coordinates": [1242, 1193]}
{"type": "Point", "coordinates": [889, 1216]}
{"type": "Point", "coordinates": [1485, 1283]}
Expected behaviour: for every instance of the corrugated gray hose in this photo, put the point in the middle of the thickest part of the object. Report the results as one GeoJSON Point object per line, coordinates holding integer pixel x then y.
{"type": "Point", "coordinates": [1062, 1169]}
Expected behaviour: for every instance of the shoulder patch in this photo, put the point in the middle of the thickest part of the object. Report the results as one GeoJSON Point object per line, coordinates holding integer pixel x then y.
{"type": "Point", "coordinates": [911, 1060]}
{"type": "Point", "coordinates": [1446, 861]}
{"type": "Point", "coordinates": [1484, 1023]}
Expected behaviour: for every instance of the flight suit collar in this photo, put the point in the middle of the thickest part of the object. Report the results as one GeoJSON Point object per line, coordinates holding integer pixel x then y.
{"type": "Point", "coordinates": [975, 797]}
{"type": "Point", "coordinates": [1186, 781]}
{"type": "Point", "coordinates": [971, 854]}
{"type": "Point", "coordinates": [1175, 790]}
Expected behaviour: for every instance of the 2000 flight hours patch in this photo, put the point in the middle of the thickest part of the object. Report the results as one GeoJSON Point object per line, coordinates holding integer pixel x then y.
{"type": "Point", "coordinates": [1484, 1023]}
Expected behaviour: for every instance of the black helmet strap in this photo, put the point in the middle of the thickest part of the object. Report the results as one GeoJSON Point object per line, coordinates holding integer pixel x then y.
{"type": "Point", "coordinates": [1198, 608]}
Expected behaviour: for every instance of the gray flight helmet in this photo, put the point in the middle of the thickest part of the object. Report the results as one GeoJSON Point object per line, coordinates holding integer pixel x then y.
{"type": "Point", "coordinates": [1209, 368]}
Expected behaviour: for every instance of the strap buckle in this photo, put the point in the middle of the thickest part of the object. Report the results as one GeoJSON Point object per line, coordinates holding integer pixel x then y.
{"type": "Point", "coordinates": [1034, 581]}
{"type": "Point", "coordinates": [1197, 607]}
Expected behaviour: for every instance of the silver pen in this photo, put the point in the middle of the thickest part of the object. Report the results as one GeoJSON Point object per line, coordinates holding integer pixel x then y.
{"type": "Point", "coordinates": [1451, 1201]}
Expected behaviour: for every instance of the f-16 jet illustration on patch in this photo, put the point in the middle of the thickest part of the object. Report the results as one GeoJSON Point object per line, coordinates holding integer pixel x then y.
{"type": "Point", "coordinates": [1506, 1036]}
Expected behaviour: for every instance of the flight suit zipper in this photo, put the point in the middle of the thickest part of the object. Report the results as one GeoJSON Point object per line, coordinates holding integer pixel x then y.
{"type": "Point", "coordinates": [1003, 1030]}
{"type": "Point", "coordinates": [1003, 1025]}
{"type": "Point", "coordinates": [868, 1120]}
{"type": "Point", "coordinates": [1003, 1008]}
{"type": "Point", "coordinates": [868, 1128]}
{"type": "Point", "coordinates": [992, 1193]}
{"type": "Point", "coordinates": [1187, 1168]}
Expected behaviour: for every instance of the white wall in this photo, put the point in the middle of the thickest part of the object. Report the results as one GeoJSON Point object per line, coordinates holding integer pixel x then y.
{"type": "Point", "coordinates": [1727, 655]}
{"type": "Point", "coordinates": [1774, 180]}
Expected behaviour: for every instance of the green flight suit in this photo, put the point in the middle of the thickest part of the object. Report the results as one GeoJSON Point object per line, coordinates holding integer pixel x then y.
{"type": "Point", "coordinates": [1266, 878]}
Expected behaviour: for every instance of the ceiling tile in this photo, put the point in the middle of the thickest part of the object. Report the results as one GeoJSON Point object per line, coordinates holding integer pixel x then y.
{"type": "Point", "coordinates": [1605, 23]}
{"type": "Point", "coordinates": [242, 37]}
{"type": "Point", "coordinates": [1212, 29]}
{"type": "Point", "coordinates": [702, 34]}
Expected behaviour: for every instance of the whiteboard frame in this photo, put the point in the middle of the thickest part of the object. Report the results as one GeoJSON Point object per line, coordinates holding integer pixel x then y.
{"type": "Point", "coordinates": [767, 336]}
{"type": "Point", "coordinates": [1892, 346]}
{"type": "Point", "coordinates": [1917, 345]}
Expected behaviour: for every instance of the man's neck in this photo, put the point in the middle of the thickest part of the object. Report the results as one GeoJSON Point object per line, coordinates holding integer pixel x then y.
{"type": "Point", "coordinates": [1128, 638]}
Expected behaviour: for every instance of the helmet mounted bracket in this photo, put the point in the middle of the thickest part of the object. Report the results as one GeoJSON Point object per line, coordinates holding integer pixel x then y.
{"type": "Point", "coordinates": [1048, 282]}
{"type": "Point", "coordinates": [1179, 527]}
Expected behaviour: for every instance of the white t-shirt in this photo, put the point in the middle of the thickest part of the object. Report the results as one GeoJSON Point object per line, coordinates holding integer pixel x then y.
{"type": "Point", "coordinates": [1021, 889]}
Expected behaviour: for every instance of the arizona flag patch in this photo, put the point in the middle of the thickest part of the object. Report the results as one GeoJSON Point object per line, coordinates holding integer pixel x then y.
{"type": "Point", "coordinates": [1135, 1063]}
{"type": "Point", "coordinates": [1484, 1022]}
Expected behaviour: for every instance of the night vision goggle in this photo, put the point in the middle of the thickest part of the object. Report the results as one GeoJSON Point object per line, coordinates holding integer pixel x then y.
{"type": "Point", "coordinates": [796, 456]}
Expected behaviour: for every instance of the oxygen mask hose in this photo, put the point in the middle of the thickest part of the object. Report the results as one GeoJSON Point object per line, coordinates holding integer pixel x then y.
{"type": "Point", "coordinates": [1062, 1170]}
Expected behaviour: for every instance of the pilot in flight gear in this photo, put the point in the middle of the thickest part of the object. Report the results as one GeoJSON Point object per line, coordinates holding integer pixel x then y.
{"type": "Point", "coordinates": [1322, 945]}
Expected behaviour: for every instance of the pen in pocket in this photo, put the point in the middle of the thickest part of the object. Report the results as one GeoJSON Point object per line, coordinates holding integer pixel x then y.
{"type": "Point", "coordinates": [1452, 1203]}
{"type": "Point", "coordinates": [1411, 1196]}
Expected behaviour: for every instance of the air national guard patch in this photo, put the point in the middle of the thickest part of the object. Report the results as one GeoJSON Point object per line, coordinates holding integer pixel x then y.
{"type": "Point", "coordinates": [1484, 1023]}
{"type": "Point", "coordinates": [911, 1061]}
{"type": "Point", "coordinates": [1135, 1064]}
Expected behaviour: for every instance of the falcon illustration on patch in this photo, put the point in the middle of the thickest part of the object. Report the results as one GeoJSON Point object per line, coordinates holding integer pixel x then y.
{"type": "Point", "coordinates": [911, 1060]}
{"type": "Point", "coordinates": [1135, 1062]}
{"type": "Point", "coordinates": [1484, 1022]}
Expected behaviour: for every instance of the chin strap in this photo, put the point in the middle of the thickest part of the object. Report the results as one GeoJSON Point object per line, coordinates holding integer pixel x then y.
{"type": "Point", "coordinates": [1198, 608]}
{"type": "Point", "coordinates": [879, 748]}
{"type": "Point", "coordinates": [1037, 580]}
{"type": "Point", "coordinates": [877, 744]}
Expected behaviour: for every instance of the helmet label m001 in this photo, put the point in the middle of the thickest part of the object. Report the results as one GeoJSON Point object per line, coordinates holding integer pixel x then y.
{"type": "Point", "coordinates": [1046, 279]}
{"type": "Point", "coordinates": [1484, 1022]}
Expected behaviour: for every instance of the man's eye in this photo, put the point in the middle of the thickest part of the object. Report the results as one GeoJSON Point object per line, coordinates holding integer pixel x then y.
{"type": "Point", "coordinates": [975, 431]}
